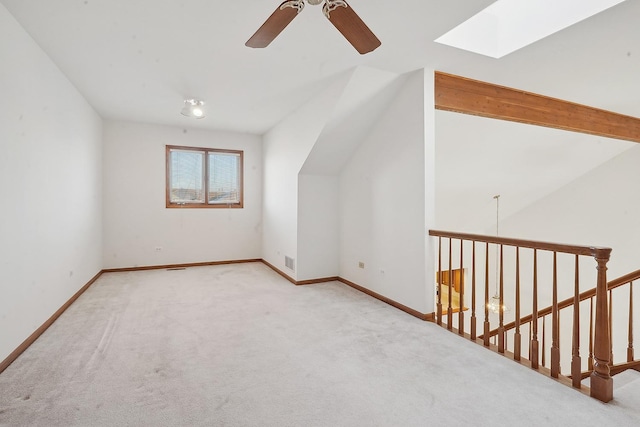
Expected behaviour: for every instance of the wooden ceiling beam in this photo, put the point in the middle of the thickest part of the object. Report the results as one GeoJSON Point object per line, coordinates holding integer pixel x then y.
{"type": "Point", "coordinates": [467, 96]}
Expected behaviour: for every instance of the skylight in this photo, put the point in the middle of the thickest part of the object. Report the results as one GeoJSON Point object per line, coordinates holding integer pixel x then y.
{"type": "Point", "coordinates": [509, 25]}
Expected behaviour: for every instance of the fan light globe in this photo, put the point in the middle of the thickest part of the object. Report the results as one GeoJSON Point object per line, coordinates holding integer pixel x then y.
{"type": "Point", "coordinates": [314, 2]}
{"type": "Point", "coordinates": [193, 108]}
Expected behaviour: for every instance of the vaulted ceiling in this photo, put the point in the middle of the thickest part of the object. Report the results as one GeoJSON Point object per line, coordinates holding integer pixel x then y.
{"type": "Point", "coordinates": [138, 59]}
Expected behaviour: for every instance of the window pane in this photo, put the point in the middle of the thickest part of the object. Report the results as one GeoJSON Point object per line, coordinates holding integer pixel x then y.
{"type": "Point", "coordinates": [187, 178]}
{"type": "Point", "coordinates": [224, 178]}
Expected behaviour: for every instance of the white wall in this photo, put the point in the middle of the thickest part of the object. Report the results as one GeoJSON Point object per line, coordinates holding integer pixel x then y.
{"type": "Point", "coordinates": [361, 103]}
{"type": "Point", "coordinates": [136, 221]}
{"type": "Point", "coordinates": [318, 224]}
{"type": "Point", "coordinates": [430, 186]}
{"type": "Point", "coordinates": [382, 203]}
{"type": "Point", "coordinates": [50, 187]}
{"type": "Point", "coordinates": [600, 208]}
{"type": "Point", "coordinates": [478, 157]}
{"type": "Point", "coordinates": [286, 148]}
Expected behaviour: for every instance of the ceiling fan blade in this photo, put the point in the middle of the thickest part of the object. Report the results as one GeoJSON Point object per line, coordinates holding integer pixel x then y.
{"type": "Point", "coordinates": [345, 19]}
{"type": "Point", "coordinates": [277, 22]}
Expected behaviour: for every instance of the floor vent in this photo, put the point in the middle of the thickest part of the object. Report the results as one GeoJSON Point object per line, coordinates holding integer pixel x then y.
{"type": "Point", "coordinates": [176, 268]}
{"type": "Point", "coordinates": [289, 263]}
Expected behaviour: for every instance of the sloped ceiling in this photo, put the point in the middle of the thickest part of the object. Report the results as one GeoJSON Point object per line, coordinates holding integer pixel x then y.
{"type": "Point", "coordinates": [138, 59]}
{"type": "Point", "coordinates": [365, 97]}
{"type": "Point", "coordinates": [522, 163]}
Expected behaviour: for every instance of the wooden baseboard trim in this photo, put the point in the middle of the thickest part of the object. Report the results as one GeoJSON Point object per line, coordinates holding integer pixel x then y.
{"type": "Point", "coordinates": [187, 265]}
{"type": "Point", "coordinates": [36, 334]}
{"type": "Point", "coordinates": [280, 272]}
{"type": "Point", "coordinates": [316, 281]}
{"type": "Point", "coordinates": [428, 317]}
{"type": "Point", "coordinates": [411, 311]}
{"type": "Point", "coordinates": [301, 282]}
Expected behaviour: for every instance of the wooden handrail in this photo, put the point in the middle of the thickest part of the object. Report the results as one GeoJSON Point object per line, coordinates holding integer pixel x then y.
{"type": "Point", "coordinates": [623, 280]}
{"type": "Point", "coordinates": [594, 251]}
{"type": "Point", "coordinates": [600, 355]}
{"type": "Point", "coordinates": [613, 284]}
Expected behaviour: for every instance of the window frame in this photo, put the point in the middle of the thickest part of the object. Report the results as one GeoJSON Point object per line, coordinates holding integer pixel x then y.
{"type": "Point", "coordinates": [206, 204]}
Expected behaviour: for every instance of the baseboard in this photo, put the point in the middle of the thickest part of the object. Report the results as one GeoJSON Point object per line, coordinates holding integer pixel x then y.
{"type": "Point", "coordinates": [422, 316]}
{"type": "Point", "coordinates": [300, 282]}
{"type": "Point", "coordinates": [36, 334]}
{"type": "Point", "coordinates": [185, 265]}
{"type": "Point", "coordinates": [429, 317]}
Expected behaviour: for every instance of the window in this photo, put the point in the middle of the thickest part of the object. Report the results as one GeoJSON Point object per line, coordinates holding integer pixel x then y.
{"type": "Point", "coordinates": [204, 178]}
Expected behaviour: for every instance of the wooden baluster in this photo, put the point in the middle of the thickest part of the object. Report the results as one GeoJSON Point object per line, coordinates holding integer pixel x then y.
{"type": "Point", "coordinates": [555, 327]}
{"type": "Point", "coordinates": [461, 312]}
{"type": "Point", "coordinates": [630, 347]}
{"type": "Point", "coordinates": [544, 341]}
{"type": "Point", "coordinates": [501, 333]}
{"type": "Point", "coordinates": [487, 328]}
{"type": "Point", "coordinates": [530, 335]}
{"type": "Point", "coordinates": [576, 361]}
{"type": "Point", "coordinates": [517, 339]}
{"type": "Point", "coordinates": [473, 293]}
{"type": "Point", "coordinates": [590, 362]}
{"type": "Point", "coordinates": [535, 351]}
{"type": "Point", "coordinates": [439, 305]}
{"type": "Point", "coordinates": [611, 326]}
{"type": "Point", "coordinates": [450, 308]}
{"type": "Point", "coordinates": [601, 381]}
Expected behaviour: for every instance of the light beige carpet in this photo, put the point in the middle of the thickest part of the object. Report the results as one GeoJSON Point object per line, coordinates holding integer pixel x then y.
{"type": "Point", "coordinates": [239, 346]}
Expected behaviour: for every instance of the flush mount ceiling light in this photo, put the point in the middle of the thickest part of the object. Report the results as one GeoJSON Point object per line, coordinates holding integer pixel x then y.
{"type": "Point", "coordinates": [193, 108]}
{"type": "Point", "coordinates": [509, 25]}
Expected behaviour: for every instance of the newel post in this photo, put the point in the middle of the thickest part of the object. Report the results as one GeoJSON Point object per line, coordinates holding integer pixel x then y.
{"type": "Point", "coordinates": [601, 381]}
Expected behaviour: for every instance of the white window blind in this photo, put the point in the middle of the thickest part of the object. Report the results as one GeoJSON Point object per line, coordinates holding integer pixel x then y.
{"type": "Point", "coordinates": [187, 176]}
{"type": "Point", "coordinates": [224, 185]}
{"type": "Point", "coordinates": [204, 177]}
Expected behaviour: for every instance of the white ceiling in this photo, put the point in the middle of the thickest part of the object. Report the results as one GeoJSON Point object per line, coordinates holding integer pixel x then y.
{"type": "Point", "coordinates": [138, 59]}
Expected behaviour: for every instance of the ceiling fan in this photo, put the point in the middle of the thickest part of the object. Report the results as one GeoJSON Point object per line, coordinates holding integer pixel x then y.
{"type": "Point", "coordinates": [341, 15]}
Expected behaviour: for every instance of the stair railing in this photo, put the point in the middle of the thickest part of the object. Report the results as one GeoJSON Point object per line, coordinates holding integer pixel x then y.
{"type": "Point", "coordinates": [472, 255]}
{"type": "Point", "coordinates": [623, 287]}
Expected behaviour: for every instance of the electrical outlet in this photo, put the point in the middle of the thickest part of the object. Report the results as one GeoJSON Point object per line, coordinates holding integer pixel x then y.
{"type": "Point", "coordinates": [361, 264]}
{"type": "Point", "coordinates": [158, 248]}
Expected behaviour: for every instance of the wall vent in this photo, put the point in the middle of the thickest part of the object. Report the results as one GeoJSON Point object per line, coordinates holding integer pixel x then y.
{"type": "Point", "coordinates": [289, 263]}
